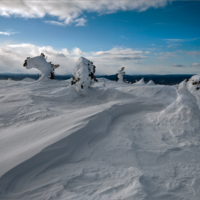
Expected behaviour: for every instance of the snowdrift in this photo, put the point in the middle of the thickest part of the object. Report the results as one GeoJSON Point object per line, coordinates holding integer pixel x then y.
{"type": "Point", "coordinates": [121, 141]}
{"type": "Point", "coordinates": [28, 80]}
{"type": "Point", "coordinates": [182, 116]}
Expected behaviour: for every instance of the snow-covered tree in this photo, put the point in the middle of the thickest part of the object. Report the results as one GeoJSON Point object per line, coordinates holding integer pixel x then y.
{"type": "Point", "coordinates": [120, 75]}
{"type": "Point", "coordinates": [83, 76]}
{"type": "Point", "coordinates": [40, 63]}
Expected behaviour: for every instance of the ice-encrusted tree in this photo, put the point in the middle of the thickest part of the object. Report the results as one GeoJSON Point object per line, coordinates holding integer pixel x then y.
{"type": "Point", "coordinates": [120, 75]}
{"type": "Point", "coordinates": [83, 76]}
{"type": "Point", "coordinates": [40, 63]}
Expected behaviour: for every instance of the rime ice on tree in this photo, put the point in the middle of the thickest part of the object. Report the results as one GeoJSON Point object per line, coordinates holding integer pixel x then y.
{"type": "Point", "coordinates": [120, 75]}
{"type": "Point", "coordinates": [83, 76]}
{"type": "Point", "coordinates": [40, 63]}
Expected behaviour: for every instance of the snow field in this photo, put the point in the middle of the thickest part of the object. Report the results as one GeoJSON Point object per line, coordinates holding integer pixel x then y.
{"type": "Point", "coordinates": [122, 141]}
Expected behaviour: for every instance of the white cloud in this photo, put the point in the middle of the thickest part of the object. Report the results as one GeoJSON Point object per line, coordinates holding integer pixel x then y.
{"type": "Point", "coordinates": [55, 23]}
{"type": "Point", "coordinates": [77, 51]}
{"type": "Point", "coordinates": [77, 22]}
{"type": "Point", "coordinates": [180, 40]}
{"type": "Point", "coordinates": [69, 12]}
{"type": "Point", "coordinates": [191, 53]}
{"type": "Point", "coordinates": [165, 55]}
{"type": "Point", "coordinates": [7, 33]}
{"type": "Point", "coordinates": [174, 40]}
{"type": "Point", "coordinates": [118, 54]}
{"type": "Point", "coordinates": [107, 62]}
{"type": "Point", "coordinates": [196, 64]}
{"type": "Point", "coordinates": [173, 45]}
{"type": "Point", "coordinates": [118, 51]}
{"type": "Point", "coordinates": [80, 22]}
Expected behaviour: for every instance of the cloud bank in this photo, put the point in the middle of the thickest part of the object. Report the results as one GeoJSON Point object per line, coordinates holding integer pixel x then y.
{"type": "Point", "coordinates": [13, 56]}
{"type": "Point", "coordinates": [107, 62]}
{"type": "Point", "coordinates": [71, 12]}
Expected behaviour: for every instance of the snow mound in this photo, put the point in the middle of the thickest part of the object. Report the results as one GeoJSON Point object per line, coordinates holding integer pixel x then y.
{"type": "Point", "coordinates": [182, 116]}
{"type": "Point", "coordinates": [150, 83]}
{"type": "Point", "coordinates": [141, 82]}
{"type": "Point", "coordinates": [39, 63]}
{"type": "Point", "coordinates": [28, 80]}
{"type": "Point", "coordinates": [83, 76]}
{"type": "Point", "coordinates": [10, 79]}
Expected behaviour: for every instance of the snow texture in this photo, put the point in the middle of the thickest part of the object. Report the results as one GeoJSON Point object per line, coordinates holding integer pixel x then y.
{"type": "Point", "coordinates": [120, 142]}
{"type": "Point", "coordinates": [183, 116]}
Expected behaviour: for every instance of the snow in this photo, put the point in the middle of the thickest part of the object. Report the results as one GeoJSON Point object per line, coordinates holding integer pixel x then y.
{"type": "Point", "coordinates": [40, 63]}
{"type": "Point", "coordinates": [82, 76]}
{"type": "Point", "coordinates": [182, 116]}
{"type": "Point", "coordinates": [150, 83]}
{"type": "Point", "coordinates": [140, 82]}
{"type": "Point", "coordinates": [120, 76]}
{"type": "Point", "coordinates": [28, 80]}
{"type": "Point", "coordinates": [120, 141]}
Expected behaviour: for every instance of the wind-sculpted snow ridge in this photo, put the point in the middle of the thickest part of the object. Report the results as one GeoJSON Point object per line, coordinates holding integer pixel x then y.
{"type": "Point", "coordinates": [83, 76]}
{"type": "Point", "coordinates": [150, 83]}
{"type": "Point", "coordinates": [58, 145]}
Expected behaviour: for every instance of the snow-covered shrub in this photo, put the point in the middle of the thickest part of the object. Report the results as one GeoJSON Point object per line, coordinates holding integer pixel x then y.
{"type": "Point", "coordinates": [83, 76]}
{"type": "Point", "coordinates": [39, 62]}
{"type": "Point", "coordinates": [120, 75]}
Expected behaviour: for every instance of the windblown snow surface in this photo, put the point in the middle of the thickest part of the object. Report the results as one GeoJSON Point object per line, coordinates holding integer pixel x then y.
{"type": "Point", "coordinates": [119, 141]}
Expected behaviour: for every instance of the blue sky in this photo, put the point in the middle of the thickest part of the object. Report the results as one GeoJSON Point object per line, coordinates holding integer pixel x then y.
{"type": "Point", "coordinates": [150, 37]}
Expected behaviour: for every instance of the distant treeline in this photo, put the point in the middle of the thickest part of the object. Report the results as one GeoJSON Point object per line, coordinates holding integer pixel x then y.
{"type": "Point", "coordinates": [157, 79]}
